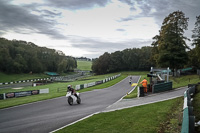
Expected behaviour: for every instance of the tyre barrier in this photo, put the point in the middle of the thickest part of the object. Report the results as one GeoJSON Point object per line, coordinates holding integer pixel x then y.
{"type": "Point", "coordinates": [23, 81]}
{"type": "Point", "coordinates": [188, 123]}
{"type": "Point", "coordinates": [82, 86]}
{"type": "Point", "coordinates": [140, 91]}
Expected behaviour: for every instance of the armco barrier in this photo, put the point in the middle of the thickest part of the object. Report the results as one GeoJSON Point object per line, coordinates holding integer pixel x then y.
{"type": "Point", "coordinates": [91, 84]}
{"type": "Point", "coordinates": [85, 85]}
{"type": "Point", "coordinates": [1, 96]}
{"type": "Point", "coordinates": [23, 93]}
{"type": "Point", "coordinates": [42, 91]}
{"type": "Point", "coordinates": [98, 82]}
{"type": "Point", "coordinates": [81, 86]}
{"type": "Point", "coordinates": [78, 87]}
{"type": "Point", "coordinates": [185, 123]}
{"type": "Point", "coordinates": [188, 118]}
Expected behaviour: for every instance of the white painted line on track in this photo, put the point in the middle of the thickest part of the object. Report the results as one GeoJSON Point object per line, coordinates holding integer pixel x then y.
{"type": "Point", "coordinates": [143, 104]}
{"type": "Point", "coordinates": [74, 122]}
{"type": "Point", "coordinates": [124, 95]}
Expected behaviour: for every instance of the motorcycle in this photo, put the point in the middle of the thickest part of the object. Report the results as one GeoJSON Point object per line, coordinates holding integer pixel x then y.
{"type": "Point", "coordinates": [72, 98]}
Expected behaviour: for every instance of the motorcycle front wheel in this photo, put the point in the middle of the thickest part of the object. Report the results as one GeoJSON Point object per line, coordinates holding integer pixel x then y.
{"type": "Point", "coordinates": [70, 100]}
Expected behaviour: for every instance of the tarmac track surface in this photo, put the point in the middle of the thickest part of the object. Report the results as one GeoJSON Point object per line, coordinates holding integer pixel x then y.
{"type": "Point", "coordinates": [48, 115]}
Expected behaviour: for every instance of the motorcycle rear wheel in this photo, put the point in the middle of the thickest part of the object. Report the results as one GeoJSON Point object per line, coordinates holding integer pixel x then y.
{"type": "Point", "coordinates": [78, 100]}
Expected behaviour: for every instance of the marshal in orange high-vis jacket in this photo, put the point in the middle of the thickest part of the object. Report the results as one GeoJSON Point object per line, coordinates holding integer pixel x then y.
{"type": "Point", "coordinates": [144, 84]}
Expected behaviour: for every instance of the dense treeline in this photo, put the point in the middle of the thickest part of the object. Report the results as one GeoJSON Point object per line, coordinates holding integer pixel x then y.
{"type": "Point", "coordinates": [129, 59]}
{"type": "Point", "coordinates": [169, 49]}
{"type": "Point", "coordinates": [24, 57]}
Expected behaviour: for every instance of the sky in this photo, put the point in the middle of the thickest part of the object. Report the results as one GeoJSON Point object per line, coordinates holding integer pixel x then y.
{"type": "Point", "coordinates": [89, 28]}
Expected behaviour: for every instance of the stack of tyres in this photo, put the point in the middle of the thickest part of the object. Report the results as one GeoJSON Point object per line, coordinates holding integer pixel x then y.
{"type": "Point", "coordinates": [141, 91]}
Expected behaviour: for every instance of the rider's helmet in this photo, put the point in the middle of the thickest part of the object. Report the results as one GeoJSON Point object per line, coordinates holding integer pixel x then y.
{"type": "Point", "coordinates": [68, 86]}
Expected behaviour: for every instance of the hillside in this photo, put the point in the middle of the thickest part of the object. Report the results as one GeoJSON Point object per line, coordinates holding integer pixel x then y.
{"type": "Point", "coordinates": [84, 65]}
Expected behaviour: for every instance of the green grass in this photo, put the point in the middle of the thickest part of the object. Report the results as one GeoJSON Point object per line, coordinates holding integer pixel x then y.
{"type": "Point", "coordinates": [173, 123]}
{"type": "Point", "coordinates": [84, 65]}
{"type": "Point", "coordinates": [184, 80]}
{"type": "Point", "coordinates": [55, 90]}
{"type": "Point", "coordinates": [141, 119]}
{"type": "Point", "coordinates": [135, 73]}
{"type": "Point", "coordinates": [18, 77]}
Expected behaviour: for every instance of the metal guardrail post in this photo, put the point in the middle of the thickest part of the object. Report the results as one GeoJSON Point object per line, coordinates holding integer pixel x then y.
{"type": "Point", "coordinates": [168, 74]}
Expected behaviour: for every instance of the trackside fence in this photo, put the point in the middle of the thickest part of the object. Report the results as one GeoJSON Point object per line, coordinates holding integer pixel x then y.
{"type": "Point", "coordinates": [23, 93]}
{"type": "Point", "coordinates": [86, 85]}
{"type": "Point", "coordinates": [188, 123]}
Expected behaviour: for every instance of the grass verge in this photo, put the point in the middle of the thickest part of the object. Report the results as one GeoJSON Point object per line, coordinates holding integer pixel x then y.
{"type": "Point", "coordinates": [174, 118]}
{"type": "Point", "coordinates": [84, 65]}
{"type": "Point", "coordinates": [141, 119]}
{"type": "Point", "coordinates": [184, 80]}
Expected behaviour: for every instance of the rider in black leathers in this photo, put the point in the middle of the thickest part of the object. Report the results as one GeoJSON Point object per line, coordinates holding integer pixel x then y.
{"type": "Point", "coordinates": [72, 90]}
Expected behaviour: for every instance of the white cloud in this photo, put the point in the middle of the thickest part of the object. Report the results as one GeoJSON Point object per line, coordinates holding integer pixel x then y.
{"type": "Point", "coordinates": [26, 2]}
{"type": "Point", "coordinates": [89, 27]}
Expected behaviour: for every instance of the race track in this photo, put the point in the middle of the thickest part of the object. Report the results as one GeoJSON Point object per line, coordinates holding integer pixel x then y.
{"type": "Point", "coordinates": [48, 115]}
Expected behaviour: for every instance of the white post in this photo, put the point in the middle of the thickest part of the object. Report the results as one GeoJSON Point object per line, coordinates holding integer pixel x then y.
{"type": "Point", "coordinates": [167, 74]}
{"type": "Point", "coordinates": [151, 69]}
{"type": "Point", "coordinates": [4, 95]}
{"type": "Point", "coordinates": [138, 95]}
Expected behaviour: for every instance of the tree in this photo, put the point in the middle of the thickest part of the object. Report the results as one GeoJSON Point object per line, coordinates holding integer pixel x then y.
{"type": "Point", "coordinates": [170, 43]}
{"type": "Point", "coordinates": [196, 43]}
{"type": "Point", "coordinates": [116, 63]}
{"type": "Point", "coordinates": [22, 57]}
{"type": "Point", "coordinates": [62, 66]}
{"type": "Point", "coordinates": [102, 64]}
{"type": "Point", "coordinates": [144, 58]}
{"type": "Point", "coordinates": [154, 51]}
{"type": "Point", "coordinates": [128, 59]}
